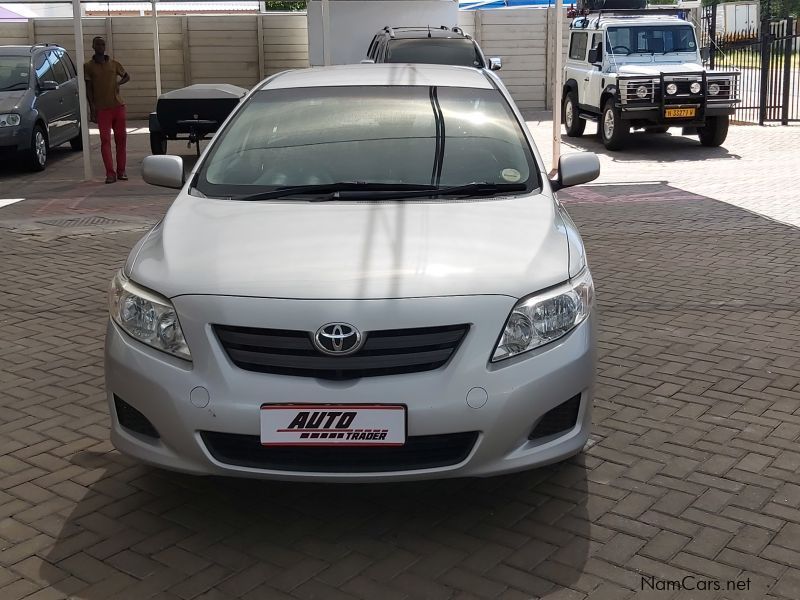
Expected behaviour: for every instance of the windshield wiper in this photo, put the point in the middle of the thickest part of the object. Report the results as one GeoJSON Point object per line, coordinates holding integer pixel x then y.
{"type": "Point", "coordinates": [14, 85]}
{"type": "Point", "coordinates": [678, 50]}
{"type": "Point", "coordinates": [334, 189]}
{"type": "Point", "coordinates": [384, 191]}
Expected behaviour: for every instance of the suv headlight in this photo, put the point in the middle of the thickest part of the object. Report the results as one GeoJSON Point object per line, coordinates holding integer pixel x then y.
{"type": "Point", "coordinates": [9, 120]}
{"type": "Point", "coordinates": [544, 317]}
{"type": "Point", "coordinates": [146, 316]}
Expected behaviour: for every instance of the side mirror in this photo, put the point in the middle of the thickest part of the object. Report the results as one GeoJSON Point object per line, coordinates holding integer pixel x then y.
{"type": "Point", "coordinates": [575, 169]}
{"type": "Point", "coordinates": [495, 63]}
{"type": "Point", "coordinates": [593, 58]}
{"type": "Point", "coordinates": [705, 53]}
{"type": "Point", "coordinates": [163, 170]}
{"type": "Point", "coordinates": [367, 61]}
{"type": "Point", "coordinates": [46, 86]}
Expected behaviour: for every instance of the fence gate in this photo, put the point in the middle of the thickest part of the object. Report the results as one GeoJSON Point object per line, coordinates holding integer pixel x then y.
{"type": "Point", "coordinates": [769, 62]}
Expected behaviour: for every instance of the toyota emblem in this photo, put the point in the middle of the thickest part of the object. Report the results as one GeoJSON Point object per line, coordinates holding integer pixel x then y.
{"type": "Point", "coordinates": [338, 339]}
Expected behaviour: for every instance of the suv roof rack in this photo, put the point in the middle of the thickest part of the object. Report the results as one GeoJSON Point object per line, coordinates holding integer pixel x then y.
{"type": "Point", "coordinates": [622, 12]}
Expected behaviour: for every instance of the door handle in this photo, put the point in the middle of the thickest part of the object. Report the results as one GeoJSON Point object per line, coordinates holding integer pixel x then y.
{"type": "Point", "coordinates": [586, 79]}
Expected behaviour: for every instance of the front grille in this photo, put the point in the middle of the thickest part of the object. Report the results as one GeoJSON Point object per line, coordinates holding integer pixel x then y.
{"type": "Point", "coordinates": [388, 352]}
{"type": "Point", "coordinates": [132, 419]}
{"type": "Point", "coordinates": [727, 88]}
{"type": "Point", "coordinates": [628, 91]}
{"type": "Point", "coordinates": [419, 452]}
{"type": "Point", "coordinates": [560, 419]}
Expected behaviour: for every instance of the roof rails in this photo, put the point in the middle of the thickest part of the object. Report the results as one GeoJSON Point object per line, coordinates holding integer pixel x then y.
{"type": "Point", "coordinates": [42, 45]}
{"type": "Point", "coordinates": [391, 30]}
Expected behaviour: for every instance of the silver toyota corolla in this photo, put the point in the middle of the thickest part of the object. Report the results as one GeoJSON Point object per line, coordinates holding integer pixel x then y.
{"type": "Point", "coordinates": [366, 276]}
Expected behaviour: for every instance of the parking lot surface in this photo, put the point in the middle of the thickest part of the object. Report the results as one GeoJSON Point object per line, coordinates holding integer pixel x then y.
{"type": "Point", "coordinates": [692, 476]}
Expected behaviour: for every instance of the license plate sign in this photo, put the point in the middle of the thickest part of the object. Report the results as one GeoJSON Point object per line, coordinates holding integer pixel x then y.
{"type": "Point", "coordinates": [680, 113]}
{"type": "Point", "coordinates": [333, 425]}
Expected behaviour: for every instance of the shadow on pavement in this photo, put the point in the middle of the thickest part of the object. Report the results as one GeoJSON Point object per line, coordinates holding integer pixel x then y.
{"type": "Point", "coordinates": [643, 146]}
{"type": "Point", "coordinates": [141, 530]}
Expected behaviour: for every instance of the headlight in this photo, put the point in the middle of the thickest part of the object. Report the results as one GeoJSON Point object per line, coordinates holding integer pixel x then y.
{"type": "Point", "coordinates": [9, 120]}
{"type": "Point", "coordinates": [642, 91]}
{"type": "Point", "coordinates": [713, 89]}
{"type": "Point", "coordinates": [542, 318]}
{"type": "Point", "coordinates": [146, 317]}
{"type": "Point", "coordinates": [672, 88]}
{"type": "Point", "coordinates": [695, 88]}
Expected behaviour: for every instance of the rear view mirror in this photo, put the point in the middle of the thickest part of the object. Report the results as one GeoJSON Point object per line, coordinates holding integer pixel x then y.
{"type": "Point", "coordinates": [705, 53]}
{"type": "Point", "coordinates": [163, 170]}
{"type": "Point", "coordinates": [46, 86]}
{"type": "Point", "coordinates": [593, 58]}
{"type": "Point", "coordinates": [495, 63]}
{"type": "Point", "coordinates": [575, 169]}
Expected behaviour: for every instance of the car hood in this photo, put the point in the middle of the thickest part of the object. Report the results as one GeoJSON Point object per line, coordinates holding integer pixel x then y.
{"type": "Point", "coordinates": [354, 250]}
{"type": "Point", "coordinates": [658, 68]}
{"type": "Point", "coordinates": [10, 100]}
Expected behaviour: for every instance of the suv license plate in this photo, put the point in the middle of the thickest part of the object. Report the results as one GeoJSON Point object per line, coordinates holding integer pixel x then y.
{"type": "Point", "coordinates": [333, 425]}
{"type": "Point", "coordinates": [672, 113]}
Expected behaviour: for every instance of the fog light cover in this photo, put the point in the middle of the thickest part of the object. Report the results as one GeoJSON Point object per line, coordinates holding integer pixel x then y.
{"type": "Point", "coordinates": [695, 88]}
{"type": "Point", "coordinates": [672, 89]}
{"type": "Point", "coordinates": [642, 91]}
{"type": "Point", "coordinates": [713, 89]}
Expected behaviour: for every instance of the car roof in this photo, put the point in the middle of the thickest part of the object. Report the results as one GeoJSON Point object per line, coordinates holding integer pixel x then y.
{"type": "Point", "coordinates": [384, 74]}
{"type": "Point", "coordinates": [23, 50]}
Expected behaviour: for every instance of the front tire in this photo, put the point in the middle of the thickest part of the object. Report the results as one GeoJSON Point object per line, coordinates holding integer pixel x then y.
{"type": "Point", "coordinates": [613, 130]}
{"type": "Point", "coordinates": [714, 132]}
{"type": "Point", "coordinates": [36, 157]}
{"type": "Point", "coordinates": [572, 121]}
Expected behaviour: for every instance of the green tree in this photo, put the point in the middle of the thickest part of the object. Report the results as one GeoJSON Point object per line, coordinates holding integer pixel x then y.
{"type": "Point", "coordinates": [284, 5]}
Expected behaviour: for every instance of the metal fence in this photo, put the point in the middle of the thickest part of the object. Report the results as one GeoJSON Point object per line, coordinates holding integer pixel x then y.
{"type": "Point", "coordinates": [769, 62]}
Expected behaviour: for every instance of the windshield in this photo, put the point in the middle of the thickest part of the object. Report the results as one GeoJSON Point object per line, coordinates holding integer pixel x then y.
{"type": "Point", "coordinates": [436, 51]}
{"type": "Point", "coordinates": [651, 39]}
{"type": "Point", "coordinates": [390, 136]}
{"type": "Point", "coordinates": [14, 72]}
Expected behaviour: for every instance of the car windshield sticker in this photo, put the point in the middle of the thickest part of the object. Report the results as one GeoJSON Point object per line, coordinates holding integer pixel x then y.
{"type": "Point", "coordinates": [511, 175]}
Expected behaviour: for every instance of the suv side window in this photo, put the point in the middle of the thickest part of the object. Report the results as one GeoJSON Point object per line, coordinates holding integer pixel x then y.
{"type": "Point", "coordinates": [597, 44]}
{"type": "Point", "coordinates": [59, 70]}
{"type": "Point", "coordinates": [43, 68]}
{"type": "Point", "coordinates": [577, 46]}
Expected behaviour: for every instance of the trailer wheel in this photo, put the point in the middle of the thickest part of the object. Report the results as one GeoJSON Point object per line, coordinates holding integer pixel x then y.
{"type": "Point", "coordinates": [158, 142]}
{"type": "Point", "coordinates": [714, 132]}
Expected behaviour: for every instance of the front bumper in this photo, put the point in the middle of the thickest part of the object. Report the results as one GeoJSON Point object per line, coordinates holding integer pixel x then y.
{"type": "Point", "coordinates": [520, 391]}
{"type": "Point", "coordinates": [655, 114]}
{"type": "Point", "coordinates": [14, 139]}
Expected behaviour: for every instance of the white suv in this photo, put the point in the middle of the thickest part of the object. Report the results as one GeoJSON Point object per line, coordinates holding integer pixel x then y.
{"type": "Point", "coordinates": [643, 69]}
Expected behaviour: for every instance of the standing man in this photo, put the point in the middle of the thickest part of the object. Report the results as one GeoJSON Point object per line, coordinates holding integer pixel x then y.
{"type": "Point", "coordinates": [106, 107]}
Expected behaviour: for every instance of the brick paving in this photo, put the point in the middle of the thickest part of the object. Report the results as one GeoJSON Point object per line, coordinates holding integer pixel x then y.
{"type": "Point", "coordinates": [694, 466]}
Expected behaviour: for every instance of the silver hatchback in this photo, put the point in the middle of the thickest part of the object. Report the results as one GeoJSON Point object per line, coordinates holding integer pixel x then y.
{"type": "Point", "coordinates": [366, 276]}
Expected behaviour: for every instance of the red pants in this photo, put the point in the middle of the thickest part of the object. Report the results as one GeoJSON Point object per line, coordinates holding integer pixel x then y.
{"type": "Point", "coordinates": [108, 119]}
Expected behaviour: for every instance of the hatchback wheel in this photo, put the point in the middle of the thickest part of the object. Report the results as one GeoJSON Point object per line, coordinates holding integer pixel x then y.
{"type": "Point", "coordinates": [37, 154]}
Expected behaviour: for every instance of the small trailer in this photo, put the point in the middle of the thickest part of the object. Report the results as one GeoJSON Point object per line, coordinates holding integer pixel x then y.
{"type": "Point", "coordinates": [193, 113]}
